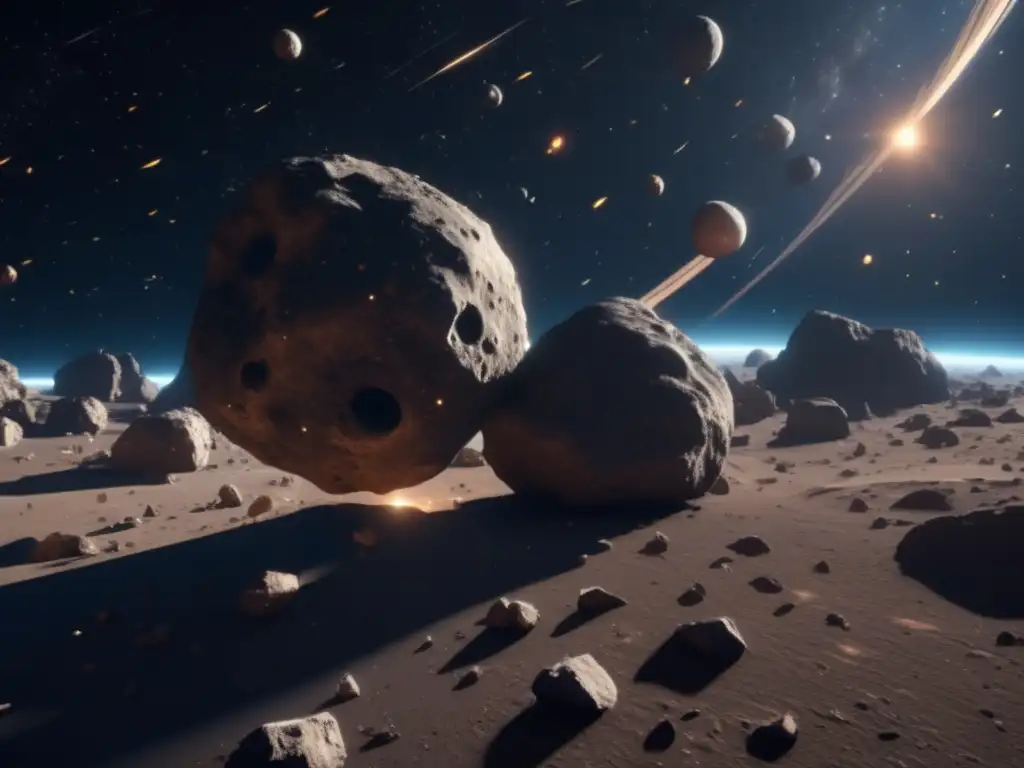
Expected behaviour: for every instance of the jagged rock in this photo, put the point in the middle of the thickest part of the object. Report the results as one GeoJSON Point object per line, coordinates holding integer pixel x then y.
{"type": "Point", "coordinates": [229, 497]}
{"type": "Point", "coordinates": [935, 437]}
{"type": "Point", "coordinates": [995, 400]}
{"type": "Point", "coordinates": [468, 458]}
{"type": "Point", "coordinates": [594, 601]}
{"type": "Point", "coordinates": [972, 560]}
{"type": "Point", "coordinates": [857, 504]}
{"type": "Point", "coordinates": [347, 689]}
{"type": "Point", "coordinates": [171, 442]}
{"type": "Point", "coordinates": [766, 585]}
{"type": "Point", "coordinates": [353, 325]}
{"type": "Point", "coordinates": [269, 594]}
{"type": "Point", "coordinates": [991, 372]}
{"type": "Point", "coordinates": [11, 432]}
{"type": "Point", "coordinates": [813, 420]}
{"type": "Point", "coordinates": [307, 742]}
{"type": "Point", "coordinates": [756, 358]}
{"type": "Point", "coordinates": [135, 387]}
{"type": "Point", "coordinates": [835, 357]}
{"type": "Point", "coordinates": [95, 374]}
{"type": "Point", "coordinates": [512, 614]}
{"type": "Point", "coordinates": [971, 417]}
{"type": "Point", "coordinates": [771, 741]}
{"type": "Point", "coordinates": [717, 640]}
{"type": "Point", "coordinates": [260, 506]}
{"type": "Point", "coordinates": [917, 422]}
{"type": "Point", "coordinates": [11, 387]}
{"type": "Point", "coordinates": [180, 392]}
{"type": "Point", "coordinates": [613, 405]}
{"type": "Point", "coordinates": [21, 412]}
{"type": "Point", "coordinates": [924, 500]}
{"type": "Point", "coordinates": [751, 404]}
{"type": "Point", "coordinates": [1009, 416]}
{"type": "Point", "coordinates": [750, 546]}
{"type": "Point", "coordinates": [656, 545]}
{"type": "Point", "coordinates": [61, 546]}
{"type": "Point", "coordinates": [77, 416]}
{"type": "Point", "coordinates": [577, 682]}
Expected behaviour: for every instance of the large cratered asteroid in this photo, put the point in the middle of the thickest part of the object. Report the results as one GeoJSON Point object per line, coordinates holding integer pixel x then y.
{"type": "Point", "coordinates": [614, 405]}
{"type": "Point", "coordinates": [352, 325]}
{"type": "Point", "coordinates": [832, 356]}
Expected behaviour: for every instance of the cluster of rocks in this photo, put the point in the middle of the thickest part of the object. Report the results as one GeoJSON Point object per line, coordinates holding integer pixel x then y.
{"type": "Point", "coordinates": [378, 384]}
{"type": "Point", "coordinates": [106, 377]}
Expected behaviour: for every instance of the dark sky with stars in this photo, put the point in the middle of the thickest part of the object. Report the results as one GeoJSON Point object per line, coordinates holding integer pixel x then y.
{"type": "Point", "coordinates": [111, 254]}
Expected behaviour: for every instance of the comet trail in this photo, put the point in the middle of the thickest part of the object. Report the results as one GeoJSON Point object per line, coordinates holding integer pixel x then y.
{"type": "Point", "coordinates": [985, 19]}
{"type": "Point", "coordinates": [420, 55]}
{"type": "Point", "coordinates": [469, 54]}
{"type": "Point", "coordinates": [592, 62]}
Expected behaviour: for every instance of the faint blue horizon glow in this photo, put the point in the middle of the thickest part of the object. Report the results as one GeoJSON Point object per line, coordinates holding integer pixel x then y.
{"type": "Point", "coordinates": [724, 354]}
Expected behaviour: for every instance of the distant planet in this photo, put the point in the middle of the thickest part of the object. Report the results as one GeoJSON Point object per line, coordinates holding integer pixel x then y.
{"type": "Point", "coordinates": [657, 184]}
{"type": "Point", "coordinates": [777, 134]}
{"type": "Point", "coordinates": [495, 96]}
{"type": "Point", "coordinates": [8, 275]}
{"type": "Point", "coordinates": [700, 46]}
{"type": "Point", "coordinates": [718, 229]}
{"type": "Point", "coordinates": [287, 45]}
{"type": "Point", "coordinates": [803, 169]}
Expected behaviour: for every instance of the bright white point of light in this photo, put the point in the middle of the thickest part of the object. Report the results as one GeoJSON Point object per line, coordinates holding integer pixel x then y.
{"type": "Point", "coordinates": [867, 259]}
{"type": "Point", "coordinates": [997, 113]}
{"type": "Point", "coordinates": [905, 137]}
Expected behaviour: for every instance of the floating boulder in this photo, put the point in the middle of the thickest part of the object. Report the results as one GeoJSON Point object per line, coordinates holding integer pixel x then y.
{"type": "Point", "coordinates": [353, 325]}
{"type": "Point", "coordinates": [306, 742]}
{"type": "Point", "coordinates": [77, 416]}
{"type": "Point", "coordinates": [972, 560]}
{"type": "Point", "coordinates": [832, 356]}
{"type": "Point", "coordinates": [171, 442]}
{"type": "Point", "coordinates": [813, 420]}
{"type": "Point", "coordinates": [757, 358]}
{"type": "Point", "coordinates": [614, 405]}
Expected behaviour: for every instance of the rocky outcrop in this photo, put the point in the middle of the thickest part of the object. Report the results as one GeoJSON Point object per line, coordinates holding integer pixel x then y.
{"type": "Point", "coordinates": [835, 357]}
{"type": "Point", "coordinates": [77, 416]}
{"type": "Point", "coordinates": [614, 405]}
{"type": "Point", "coordinates": [353, 324]}
{"type": "Point", "coordinates": [307, 742]}
{"type": "Point", "coordinates": [166, 443]}
{"type": "Point", "coordinates": [11, 387]}
{"type": "Point", "coordinates": [751, 403]}
{"type": "Point", "coordinates": [813, 420]}
{"type": "Point", "coordinates": [756, 358]}
{"type": "Point", "coordinates": [108, 377]}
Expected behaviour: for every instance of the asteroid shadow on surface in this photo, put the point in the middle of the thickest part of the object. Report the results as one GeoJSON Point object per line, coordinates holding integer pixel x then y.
{"type": "Point", "coordinates": [530, 738]}
{"type": "Point", "coordinates": [489, 642]}
{"type": "Point", "coordinates": [193, 587]}
{"type": "Point", "coordinates": [84, 478]}
{"type": "Point", "coordinates": [677, 666]}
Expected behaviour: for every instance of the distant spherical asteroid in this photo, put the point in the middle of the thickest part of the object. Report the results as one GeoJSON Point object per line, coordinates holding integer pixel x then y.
{"type": "Point", "coordinates": [353, 324]}
{"type": "Point", "coordinates": [614, 405]}
{"type": "Point", "coordinates": [835, 357]}
{"type": "Point", "coordinates": [971, 560]}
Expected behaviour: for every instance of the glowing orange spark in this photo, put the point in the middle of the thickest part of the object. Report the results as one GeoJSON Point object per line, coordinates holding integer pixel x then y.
{"type": "Point", "coordinates": [523, 76]}
{"type": "Point", "coordinates": [599, 202]}
{"type": "Point", "coordinates": [132, 108]}
{"type": "Point", "coordinates": [867, 259]}
{"type": "Point", "coordinates": [556, 145]}
{"type": "Point", "coordinates": [152, 163]}
{"type": "Point", "coordinates": [4, 161]}
{"type": "Point", "coordinates": [469, 54]}
{"type": "Point", "coordinates": [152, 213]}
{"type": "Point", "coordinates": [686, 81]}
{"type": "Point", "coordinates": [321, 12]}
{"type": "Point", "coordinates": [30, 170]}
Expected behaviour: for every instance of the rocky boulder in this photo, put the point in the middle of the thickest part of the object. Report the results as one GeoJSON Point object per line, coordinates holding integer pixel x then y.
{"type": "Point", "coordinates": [353, 323]}
{"type": "Point", "coordinates": [11, 387]}
{"type": "Point", "coordinates": [10, 433]}
{"type": "Point", "coordinates": [972, 560]}
{"type": "Point", "coordinates": [757, 358]}
{"type": "Point", "coordinates": [107, 377]}
{"type": "Point", "coordinates": [751, 404]}
{"type": "Point", "coordinates": [614, 405]}
{"type": "Point", "coordinates": [813, 420]}
{"type": "Point", "coordinates": [21, 412]}
{"type": "Point", "coordinates": [167, 443]}
{"type": "Point", "coordinates": [835, 357]}
{"type": "Point", "coordinates": [307, 742]}
{"type": "Point", "coordinates": [135, 387]}
{"type": "Point", "coordinates": [77, 416]}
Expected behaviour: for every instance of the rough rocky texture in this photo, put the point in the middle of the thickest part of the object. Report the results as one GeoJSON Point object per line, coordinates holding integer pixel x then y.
{"type": "Point", "coordinates": [613, 405]}
{"type": "Point", "coordinates": [751, 403]}
{"type": "Point", "coordinates": [11, 387]}
{"type": "Point", "coordinates": [813, 420]}
{"type": "Point", "coordinates": [171, 442]}
{"type": "Point", "coordinates": [756, 358]}
{"type": "Point", "coordinates": [135, 387]}
{"type": "Point", "coordinates": [10, 432]}
{"type": "Point", "coordinates": [61, 546]}
{"type": "Point", "coordinates": [307, 742]}
{"type": "Point", "coordinates": [972, 560]}
{"type": "Point", "coordinates": [180, 392]}
{"type": "Point", "coordinates": [94, 374]}
{"type": "Point", "coordinates": [579, 683]}
{"type": "Point", "coordinates": [352, 325]}
{"type": "Point", "coordinates": [21, 412]}
{"type": "Point", "coordinates": [832, 356]}
{"type": "Point", "coordinates": [269, 594]}
{"type": "Point", "coordinates": [77, 416]}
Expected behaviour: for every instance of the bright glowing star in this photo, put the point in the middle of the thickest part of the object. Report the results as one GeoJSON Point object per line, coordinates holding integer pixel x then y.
{"type": "Point", "coordinates": [372, 297]}
{"type": "Point", "coordinates": [556, 145]}
{"type": "Point", "coordinates": [686, 81]}
{"type": "Point", "coordinates": [599, 202]}
{"type": "Point", "coordinates": [867, 259]}
{"type": "Point", "coordinates": [152, 163]}
{"type": "Point", "coordinates": [997, 113]}
{"type": "Point", "coordinates": [828, 137]}
{"type": "Point", "coordinates": [905, 137]}
{"type": "Point", "coordinates": [439, 401]}
{"type": "Point", "coordinates": [321, 12]}
{"type": "Point", "coordinates": [30, 170]}
{"type": "Point", "coordinates": [523, 77]}
{"type": "Point", "coordinates": [4, 161]}
{"type": "Point", "coordinates": [933, 215]}
{"type": "Point", "coordinates": [132, 108]}
{"type": "Point", "coordinates": [739, 103]}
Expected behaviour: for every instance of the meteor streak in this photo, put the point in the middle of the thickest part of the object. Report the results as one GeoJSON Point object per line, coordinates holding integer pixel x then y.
{"type": "Point", "coordinates": [469, 54]}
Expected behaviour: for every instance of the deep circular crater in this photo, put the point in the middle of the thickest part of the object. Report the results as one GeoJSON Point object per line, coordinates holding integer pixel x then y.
{"type": "Point", "coordinates": [255, 375]}
{"type": "Point", "coordinates": [469, 325]}
{"type": "Point", "coordinates": [376, 411]}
